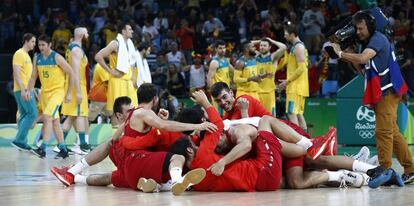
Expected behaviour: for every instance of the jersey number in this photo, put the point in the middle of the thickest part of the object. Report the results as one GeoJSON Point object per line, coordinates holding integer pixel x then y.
{"type": "Point", "coordinates": [45, 74]}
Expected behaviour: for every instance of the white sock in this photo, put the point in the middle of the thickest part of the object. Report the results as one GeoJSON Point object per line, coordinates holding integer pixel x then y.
{"type": "Point", "coordinates": [80, 179]}
{"type": "Point", "coordinates": [166, 186]}
{"type": "Point", "coordinates": [79, 167]}
{"type": "Point", "coordinates": [334, 176]}
{"type": "Point", "coordinates": [87, 138]}
{"type": "Point", "coordinates": [77, 139]}
{"type": "Point", "coordinates": [175, 174]}
{"type": "Point", "coordinates": [304, 142]}
{"type": "Point", "coordinates": [358, 166]}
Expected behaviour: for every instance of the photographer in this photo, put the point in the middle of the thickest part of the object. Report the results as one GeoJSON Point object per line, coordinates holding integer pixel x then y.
{"type": "Point", "coordinates": [384, 90]}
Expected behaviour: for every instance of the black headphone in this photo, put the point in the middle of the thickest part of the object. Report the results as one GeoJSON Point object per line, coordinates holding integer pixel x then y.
{"type": "Point", "coordinates": [369, 20]}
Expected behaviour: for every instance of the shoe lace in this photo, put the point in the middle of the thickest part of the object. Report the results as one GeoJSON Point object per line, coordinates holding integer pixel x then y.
{"type": "Point", "coordinates": [348, 155]}
{"type": "Point", "coordinates": [343, 184]}
{"type": "Point", "coordinates": [353, 156]}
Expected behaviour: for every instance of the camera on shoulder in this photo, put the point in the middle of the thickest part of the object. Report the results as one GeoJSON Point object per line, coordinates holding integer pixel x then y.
{"type": "Point", "coordinates": [345, 32]}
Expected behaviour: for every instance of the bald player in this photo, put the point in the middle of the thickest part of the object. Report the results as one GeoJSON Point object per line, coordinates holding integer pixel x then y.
{"type": "Point", "coordinates": [246, 76]}
{"type": "Point", "coordinates": [77, 109]}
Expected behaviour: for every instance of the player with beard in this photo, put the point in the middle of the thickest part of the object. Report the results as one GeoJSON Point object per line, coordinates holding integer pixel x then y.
{"type": "Point", "coordinates": [267, 69]}
{"type": "Point", "coordinates": [142, 73]}
{"type": "Point", "coordinates": [297, 82]}
{"type": "Point", "coordinates": [51, 68]}
{"type": "Point", "coordinates": [246, 75]}
{"type": "Point", "coordinates": [77, 109]}
{"type": "Point", "coordinates": [219, 69]}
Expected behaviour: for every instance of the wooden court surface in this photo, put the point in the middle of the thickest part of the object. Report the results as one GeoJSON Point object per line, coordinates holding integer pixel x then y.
{"type": "Point", "coordinates": [26, 180]}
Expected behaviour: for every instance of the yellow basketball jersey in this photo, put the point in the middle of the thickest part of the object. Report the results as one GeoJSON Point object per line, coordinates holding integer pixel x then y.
{"type": "Point", "coordinates": [51, 76]}
{"type": "Point", "coordinates": [112, 63]}
{"type": "Point", "coordinates": [223, 71]}
{"type": "Point", "coordinates": [83, 64]}
{"type": "Point", "coordinates": [301, 84]}
{"type": "Point", "coordinates": [249, 70]}
{"type": "Point", "coordinates": [99, 75]}
{"type": "Point", "coordinates": [265, 66]}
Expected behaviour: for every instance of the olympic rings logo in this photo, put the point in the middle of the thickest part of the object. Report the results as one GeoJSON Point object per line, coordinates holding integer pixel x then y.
{"type": "Point", "coordinates": [366, 134]}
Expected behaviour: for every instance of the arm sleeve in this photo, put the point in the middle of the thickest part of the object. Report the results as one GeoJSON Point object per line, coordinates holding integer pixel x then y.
{"type": "Point", "coordinates": [301, 68]}
{"type": "Point", "coordinates": [18, 59]}
{"type": "Point", "coordinates": [376, 43]}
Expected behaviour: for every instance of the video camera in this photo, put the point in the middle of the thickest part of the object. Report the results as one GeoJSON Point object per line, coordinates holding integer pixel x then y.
{"type": "Point", "coordinates": [345, 32]}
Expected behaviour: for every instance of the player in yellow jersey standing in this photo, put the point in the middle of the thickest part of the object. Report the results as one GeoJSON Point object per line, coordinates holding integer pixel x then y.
{"type": "Point", "coordinates": [219, 69]}
{"type": "Point", "coordinates": [77, 109]}
{"type": "Point", "coordinates": [122, 57]}
{"type": "Point", "coordinates": [51, 68]}
{"type": "Point", "coordinates": [267, 69]}
{"type": "Point", "coordinates": [246, 76]}
{"type": "Point", "coordinates": [22, 71]}
{"type": "Point", "coordinates": [297, 82]}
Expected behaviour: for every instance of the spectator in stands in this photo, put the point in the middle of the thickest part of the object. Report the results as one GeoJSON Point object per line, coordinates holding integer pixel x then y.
{"type": "Point", "coordinates": [159, 72]}
{"type": "Point", "coordinates": [313, 22]}
{"type": "Point", "coordinates": [250, 9]}
{"type": "Point", "coordinates": [98, 18]}
{"type": "Point", "coordinates": [161, 23]}
{"type": "Point", "coordinates": [255, 27]}
{"type": "Point", "coordinates": [404, 58]}
{"type": "Point", "coordinates": [8, 17]}
{"type": "Point", "coordinates": [212, 24]}
{"type": "Point", "coordinates": [176, 57]}
{"type": "Point", "coordinates": [330, 85]}
{"type": "Point", "coordinates": [185, 36]}
{"type": "Point", "coordinates": [242, 26]}
{"type": "Point", "coordinates": [175, 81]}
{"type": "Point", "coordinates": [168, 41]}
{"type": "Point", "coordinates": [170, 103]}
{"type": "Point", "coordinates": [109, 32]}
{"type": "Point", "coordinates": [152, 31]}
{"type": "Point", "coordinates": [61, 36]}
{"type": "Point", "coordinates": [197, 74]}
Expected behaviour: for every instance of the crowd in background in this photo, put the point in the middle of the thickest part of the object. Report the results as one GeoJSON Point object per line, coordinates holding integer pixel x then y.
{"type": "Point", "coordinates": [181, 32]}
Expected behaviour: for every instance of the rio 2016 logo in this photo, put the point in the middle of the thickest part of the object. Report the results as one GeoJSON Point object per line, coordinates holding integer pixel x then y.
{"type": "Point", "coordinates": [364, 113]}
{"type": "Point", "coordinates": [365, 124]}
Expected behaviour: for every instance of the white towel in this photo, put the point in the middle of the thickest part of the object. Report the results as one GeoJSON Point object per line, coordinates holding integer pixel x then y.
{"type": "Point", "coordinates": [254, 121]}
{"type": "Point", "coordinates": [144, 73]}
{"type": "Point", "coordinates": [126, 54]}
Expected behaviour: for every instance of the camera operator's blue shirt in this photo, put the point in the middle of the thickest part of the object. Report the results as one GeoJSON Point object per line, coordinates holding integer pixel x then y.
{"type": "Point", "coordinates": [380, 44]}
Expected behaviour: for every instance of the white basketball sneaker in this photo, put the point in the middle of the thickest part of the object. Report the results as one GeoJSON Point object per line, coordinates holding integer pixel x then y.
{"type": "Point", "coordinates": [353, 179]}
{"type": "Point", "coordinates": [362, 155]}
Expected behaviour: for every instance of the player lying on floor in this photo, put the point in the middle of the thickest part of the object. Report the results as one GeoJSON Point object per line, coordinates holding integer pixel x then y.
{"type": "Point", "coordinates": [230, 173]}
{"type": "Point", "coordinates": [137, 122]}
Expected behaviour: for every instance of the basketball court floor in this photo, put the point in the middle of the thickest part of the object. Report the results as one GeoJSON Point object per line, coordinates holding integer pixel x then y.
{"type": "Point", "coordinates": [26, 180]}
